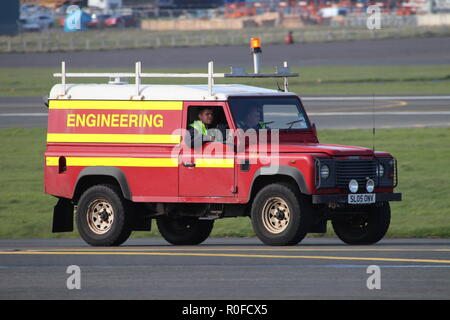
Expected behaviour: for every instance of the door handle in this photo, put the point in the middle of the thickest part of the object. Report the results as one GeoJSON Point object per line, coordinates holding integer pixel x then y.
{"type": "Point", "coordinates": [189, 165]}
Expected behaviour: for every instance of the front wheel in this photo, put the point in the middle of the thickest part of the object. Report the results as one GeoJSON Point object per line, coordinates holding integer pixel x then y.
{"type": "Point", "coordinates": [184, 230]}
{"type": "Point", "coordinates": [280, 215]}
{"type": "Point", "coordinates": [368, 227]}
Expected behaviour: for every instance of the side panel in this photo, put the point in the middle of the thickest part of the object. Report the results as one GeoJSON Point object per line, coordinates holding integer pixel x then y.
{"type": "Point", "coordinates": [138, 137]}
{"type": "Point", "coordinates": [129, 122]}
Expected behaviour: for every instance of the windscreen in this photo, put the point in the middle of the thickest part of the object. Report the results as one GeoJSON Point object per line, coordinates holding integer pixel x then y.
{"type": "Point", "coordinates": [281, 113]}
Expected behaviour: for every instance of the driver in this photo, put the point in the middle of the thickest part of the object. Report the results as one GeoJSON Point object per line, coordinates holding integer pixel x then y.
{"type": "Point", "coordinates": [204, 130]}
{"type": "Point", "coordinates": [251, 120]}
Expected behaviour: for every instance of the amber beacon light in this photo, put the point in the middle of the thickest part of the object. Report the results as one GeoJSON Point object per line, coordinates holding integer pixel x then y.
{"type": "Point", "coordinates": [255, 44]}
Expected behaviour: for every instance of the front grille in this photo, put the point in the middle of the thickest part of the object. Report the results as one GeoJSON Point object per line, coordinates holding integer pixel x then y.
{"type": "Point", "coordinates": [360, 170]}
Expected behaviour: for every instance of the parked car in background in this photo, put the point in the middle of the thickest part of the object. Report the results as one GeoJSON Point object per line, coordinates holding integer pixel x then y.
{"type": "Point", "coordinates": [45, 21]}
{"type": "Point", "coordinates": [98, 20]}
{"type": "Point", "coordinates": [36, 23]}
{"type": "Point", "coordinates": [28, 24]}
{"type": "Point", "coordinates": [121, 21]}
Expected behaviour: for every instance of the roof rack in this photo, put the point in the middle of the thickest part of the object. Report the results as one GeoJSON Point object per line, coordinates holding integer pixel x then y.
{"type": "Point", "coordinates": [280, 72]}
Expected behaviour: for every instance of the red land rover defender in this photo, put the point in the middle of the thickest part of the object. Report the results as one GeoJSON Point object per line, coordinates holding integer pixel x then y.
{"type": "Point", "coordinates": [118, 156]}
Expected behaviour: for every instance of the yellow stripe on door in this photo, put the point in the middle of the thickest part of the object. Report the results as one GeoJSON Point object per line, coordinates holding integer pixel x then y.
{"type": "Point", "coordinates": [114, 162]}
{"type": "Point", "coordinates": [138, 162]}
{"type": "Point", "coordinates": [214, 163]}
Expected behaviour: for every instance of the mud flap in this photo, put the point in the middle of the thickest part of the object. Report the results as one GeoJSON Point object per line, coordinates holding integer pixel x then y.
{"type": "Point", "coordinates": [320, 226]}
{"type": "Point", "coordinates": [142, 224]}
{"type": "Point", "coordinates": [63, 216]}
{"type": "Point", "coordinates": [141, 220]}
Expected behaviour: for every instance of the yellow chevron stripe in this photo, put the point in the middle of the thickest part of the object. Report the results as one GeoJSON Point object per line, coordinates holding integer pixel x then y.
{"type": "Point", "coordinates": [115, 105]}
{"type": "Point", "coordinates": [113, 138]}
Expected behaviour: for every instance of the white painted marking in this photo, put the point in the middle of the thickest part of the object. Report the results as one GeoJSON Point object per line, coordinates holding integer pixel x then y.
{"type": "Point", "coordinates": [368, 98]}
{"type": "Point", "coordinates": [405, 113]}
{"type": "Point", "coordinates": [23, 114]}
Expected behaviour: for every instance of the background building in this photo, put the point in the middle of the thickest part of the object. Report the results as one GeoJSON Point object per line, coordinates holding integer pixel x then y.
{"type": "Point", "coordinates": [9, 17]}
{"type": "Point", "coordinates": [105, 4]}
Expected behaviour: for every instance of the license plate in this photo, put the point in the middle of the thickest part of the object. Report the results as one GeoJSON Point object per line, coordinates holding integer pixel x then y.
{"type": "Point", "coordinates": [362, 198]}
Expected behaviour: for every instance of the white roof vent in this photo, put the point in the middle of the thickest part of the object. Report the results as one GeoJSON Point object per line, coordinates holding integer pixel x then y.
{"type": "Point", "coordinates": [116, 80]}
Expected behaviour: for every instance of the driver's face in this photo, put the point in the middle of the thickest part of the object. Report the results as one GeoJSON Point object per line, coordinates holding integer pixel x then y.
{"type": "Point", "coordinates": [253, 117]}
{"type": "Point", "coordinates": [207, 117]}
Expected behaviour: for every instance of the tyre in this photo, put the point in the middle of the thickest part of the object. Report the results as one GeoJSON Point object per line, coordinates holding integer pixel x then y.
{"type": "Point", "coordinates": [362, 229]}
{"type": "Point", "coordinates": [184, 230]}
{"type": "Point", "coordinates": [280, 215]}
{"type": "Point", "coordinates": [103, 216]}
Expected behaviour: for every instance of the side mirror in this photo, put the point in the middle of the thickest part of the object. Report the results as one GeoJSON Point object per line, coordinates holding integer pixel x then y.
{"type": "Point", "coordinates": [45, 101]}
{"type": "Point", "coordinates": [314, 129]}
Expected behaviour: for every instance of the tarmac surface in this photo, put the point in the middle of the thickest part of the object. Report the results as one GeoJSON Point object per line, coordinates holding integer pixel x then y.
{"type": "Point", "coordinates": [420, 51]}
{"type": "Point", "coordinates": [231, 268]}
{"type": "Point", "coordinates": [327, 112]}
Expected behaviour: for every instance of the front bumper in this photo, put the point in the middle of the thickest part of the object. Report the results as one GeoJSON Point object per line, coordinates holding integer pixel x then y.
{"type": "Point", "coordinates": [343, 198]}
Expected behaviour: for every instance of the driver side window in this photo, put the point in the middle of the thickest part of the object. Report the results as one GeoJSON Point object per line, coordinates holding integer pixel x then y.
{"type": "Point", "coordinates": [205, 124]}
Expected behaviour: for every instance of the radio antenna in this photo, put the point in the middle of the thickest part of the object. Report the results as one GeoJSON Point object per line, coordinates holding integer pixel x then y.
{"type": "Point", "coordinates": [373, 122]}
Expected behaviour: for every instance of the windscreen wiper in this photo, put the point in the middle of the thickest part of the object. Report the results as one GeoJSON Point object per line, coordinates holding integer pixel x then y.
{"type": "Point", "coordinates": [293, 122]}
{"type": "Point", "coordinates": [266, 123]}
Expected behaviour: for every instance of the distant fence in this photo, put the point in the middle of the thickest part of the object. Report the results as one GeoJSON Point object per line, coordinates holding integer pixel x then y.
{"type": "Point", "coordinates": [386, 21]}
{"type": "Point", "coordinates": [401, 21]}
{"type": "Point", "coordinates": [53, 40]}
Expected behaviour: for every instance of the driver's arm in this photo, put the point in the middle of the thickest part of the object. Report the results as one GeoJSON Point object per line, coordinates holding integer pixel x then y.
{"type": "Point", "coordinates": [194, 138]}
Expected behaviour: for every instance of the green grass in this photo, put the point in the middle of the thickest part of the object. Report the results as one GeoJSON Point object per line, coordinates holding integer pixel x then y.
{"type": "Point", "coordinates": [112, 39]}
{"type": "Point", "coordinates": [424, 174]}
{"type": "Point", "coordinates": [351, 80]}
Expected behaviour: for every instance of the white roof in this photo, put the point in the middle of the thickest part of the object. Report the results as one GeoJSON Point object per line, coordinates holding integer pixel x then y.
{"type": "Point", "coordinates": [158, 92]}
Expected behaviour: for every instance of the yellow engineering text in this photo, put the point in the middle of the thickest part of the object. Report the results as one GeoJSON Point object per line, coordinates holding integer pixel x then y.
{"type": "Point", "coordinates": [115, 120]}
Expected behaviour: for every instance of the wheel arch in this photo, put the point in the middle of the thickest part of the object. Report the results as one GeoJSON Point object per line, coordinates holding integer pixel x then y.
{"type": "Point", "coordinates": [267, 175]}
{"type": "Point", "coordinates": [90, 176]}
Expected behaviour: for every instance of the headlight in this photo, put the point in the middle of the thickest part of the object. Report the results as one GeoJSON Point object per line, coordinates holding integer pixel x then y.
{"type": "Point", "coordinates": [324, 172]}
{"type": "Point", "coordinates": [380, 170]}
{"type": "Point", "coordinates": [353, 186]}
{"type": "Point", "coordinates": [386, 172]}
{"type": "Point", "coordinates": [370, 185]}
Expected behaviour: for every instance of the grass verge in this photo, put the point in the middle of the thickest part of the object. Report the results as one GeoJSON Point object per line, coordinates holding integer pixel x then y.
{"type": "Point", "coordinates": [113, 39]}
{"type": "Point", "coordinates": [26, 212]}
{"type": "Point", "coordinates": [351, 80]}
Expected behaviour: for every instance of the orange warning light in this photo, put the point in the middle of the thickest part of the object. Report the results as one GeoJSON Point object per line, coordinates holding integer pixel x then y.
{"type": "Point", "coordinates": [255, 43]}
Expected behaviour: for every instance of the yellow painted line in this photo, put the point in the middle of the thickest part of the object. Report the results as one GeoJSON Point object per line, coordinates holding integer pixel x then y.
{"type": "Point", "coordinates": [113, 138]}
{"type": "Point", "coordinates": [248, 249]}
{"type": "Point", "coordinates": [114, 162]}
{"type": "Point", "coordinates": [115, 105]}
{"type": "Point", "coordinates": [226, 255]}
{"type": "Point", "coordinates": [214, 163]}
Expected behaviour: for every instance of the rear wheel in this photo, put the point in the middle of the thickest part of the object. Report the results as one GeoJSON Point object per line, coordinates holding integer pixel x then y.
{"type": "Point", "coordinates": [280, 215]}
{"type": "Point", "coordinates": [364, 228]}
{"type": "Point", "coordinates": [184, 230]}
{"type": "Point", "coordinates": [103, 216]}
